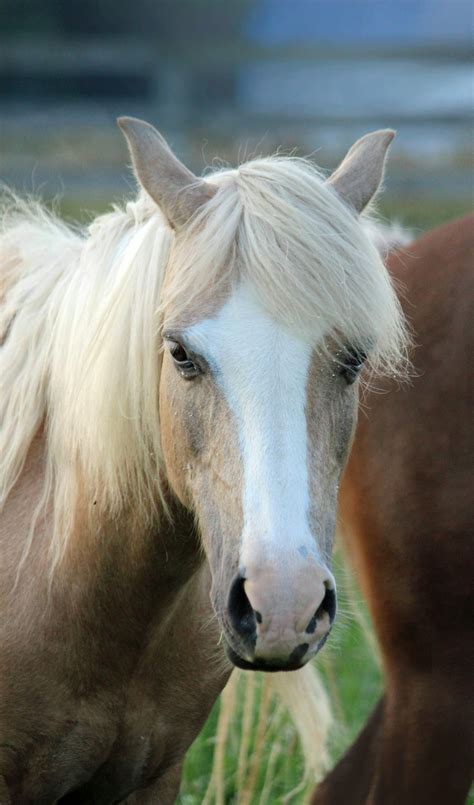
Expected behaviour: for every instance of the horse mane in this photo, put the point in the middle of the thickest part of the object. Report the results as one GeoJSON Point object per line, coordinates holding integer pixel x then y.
{"type": "Point", "coordinates": [81, 355]}
{"type": "Point", "coordinates": [81, 313]}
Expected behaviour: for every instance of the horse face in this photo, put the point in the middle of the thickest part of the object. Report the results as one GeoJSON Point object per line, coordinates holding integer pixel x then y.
{"type": "Point", "coordinates": [256, 428]}
{"type": "Point", "coordinates": [255, 422]}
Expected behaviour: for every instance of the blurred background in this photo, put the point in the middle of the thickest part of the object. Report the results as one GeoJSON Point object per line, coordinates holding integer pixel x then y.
{"type": "Point", "coordinates": [230, 78]}
{"type": "Point", "coordinates": [224, 80]}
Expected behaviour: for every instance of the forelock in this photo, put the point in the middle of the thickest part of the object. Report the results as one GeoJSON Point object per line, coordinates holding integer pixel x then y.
{"type": "Point", "coordinates": [277, 224]}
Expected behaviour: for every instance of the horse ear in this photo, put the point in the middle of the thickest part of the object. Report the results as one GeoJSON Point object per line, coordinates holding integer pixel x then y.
{"type": "Point", "coordinates": [360, 173]}
{"type": "Point", "coordinates": [177, 191]}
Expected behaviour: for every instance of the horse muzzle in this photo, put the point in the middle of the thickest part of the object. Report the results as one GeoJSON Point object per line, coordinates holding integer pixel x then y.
{"type": "Point", "coordinates": [277, 623]}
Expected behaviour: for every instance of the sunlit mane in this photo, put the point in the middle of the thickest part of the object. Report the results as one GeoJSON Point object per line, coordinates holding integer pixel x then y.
{"type": "Point", "coordinates": [81, 314]}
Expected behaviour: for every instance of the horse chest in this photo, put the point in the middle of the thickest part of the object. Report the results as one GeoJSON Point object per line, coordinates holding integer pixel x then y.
{"type": "Point", "coordinates": [130, 724]}
{"type": "Point", "coordinates": [104, 750]}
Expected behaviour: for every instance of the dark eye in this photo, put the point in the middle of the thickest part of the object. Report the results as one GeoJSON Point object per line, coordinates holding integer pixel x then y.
{"type": "Point", "coordinates": [183, 362]}
{"type": "Point", "coordinates": [351, 361]}
{"type": "Point", "coordinates": [179, 353]}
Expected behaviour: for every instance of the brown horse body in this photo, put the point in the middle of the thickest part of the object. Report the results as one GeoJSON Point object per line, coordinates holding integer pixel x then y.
{"type": "Point", "coordinates": [407, 511]}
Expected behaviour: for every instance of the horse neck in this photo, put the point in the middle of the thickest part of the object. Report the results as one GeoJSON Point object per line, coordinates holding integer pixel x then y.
{"type": "Point", "coordinates": [128, 551]}
{"type": "Point", "coordinates": [119, 560]}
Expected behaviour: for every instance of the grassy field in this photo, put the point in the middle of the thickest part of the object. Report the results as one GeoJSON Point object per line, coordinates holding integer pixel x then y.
{"type": "Point", "coordinates": [348, 664]}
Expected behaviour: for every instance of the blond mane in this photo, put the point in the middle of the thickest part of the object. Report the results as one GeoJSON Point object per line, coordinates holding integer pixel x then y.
{"type": "Point", "coordinates": [81, 314]}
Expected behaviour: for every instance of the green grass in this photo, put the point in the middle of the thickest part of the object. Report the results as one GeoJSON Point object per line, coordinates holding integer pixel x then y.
{"type": "Point", "coordinates": [348, 664]}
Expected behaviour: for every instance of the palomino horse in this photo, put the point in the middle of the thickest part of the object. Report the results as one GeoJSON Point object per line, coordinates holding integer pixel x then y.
{"type": "Point", "coordinates": [190, 360]}
{"type": "Point", "coordinates": [407, 510]}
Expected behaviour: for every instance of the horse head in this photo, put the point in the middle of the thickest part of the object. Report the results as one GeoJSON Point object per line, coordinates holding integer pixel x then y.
{"type": "Point", "coordinates": [273, 300]}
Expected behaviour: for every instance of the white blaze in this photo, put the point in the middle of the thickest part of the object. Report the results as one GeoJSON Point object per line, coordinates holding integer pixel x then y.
{"type": "Point", "coordinates": [263, 370]}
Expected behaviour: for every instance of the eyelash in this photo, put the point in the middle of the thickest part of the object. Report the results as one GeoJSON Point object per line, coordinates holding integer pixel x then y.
{"type": "Point", "coordinates": [351, 363]}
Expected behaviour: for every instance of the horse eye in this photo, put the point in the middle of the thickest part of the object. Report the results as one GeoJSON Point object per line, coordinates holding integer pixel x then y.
{"type": "Point", "coordinates": [183, 362]}
{"type": "Point", "coordinates": [179, 353]}
{"type": "Point", "coordinates": [350, 364]}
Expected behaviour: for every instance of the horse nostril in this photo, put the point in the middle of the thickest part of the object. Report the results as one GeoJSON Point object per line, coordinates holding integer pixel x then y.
{"type": "Point", "coordinates": [241, 615]}
{"type": "Point", "coordinates": [328, 606]}
{"type": "Point", "coordinates": [298, 653]}
{"type": "Point", "coordinates": [311, 627]}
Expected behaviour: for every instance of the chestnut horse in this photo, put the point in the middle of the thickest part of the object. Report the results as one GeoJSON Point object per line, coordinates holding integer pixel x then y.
{"type": "Point", "coordinates": [407, 512]}
{"type": "Point", "coordinates": [190, 360]}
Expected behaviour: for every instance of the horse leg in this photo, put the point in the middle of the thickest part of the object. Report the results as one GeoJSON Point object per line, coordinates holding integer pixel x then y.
{"type": "Point", "coordinates": [426, 748]}
{"type": "Point", "coordinates": [392, 759]}
{"type": "Point", "coordinates": [354, 772]}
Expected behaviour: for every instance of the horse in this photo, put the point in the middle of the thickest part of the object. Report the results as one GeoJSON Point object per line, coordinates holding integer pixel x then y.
{"type": "Point", "coordinates": [406, 512]}
{"type": "Point", "coordinates": [181, 384]}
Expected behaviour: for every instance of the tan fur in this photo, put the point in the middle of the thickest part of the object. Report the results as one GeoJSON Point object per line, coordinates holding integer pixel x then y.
{"type": "Point", "coordinates": [111, 709]}
{"type": "Point", "coordinates": [330, 422]}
